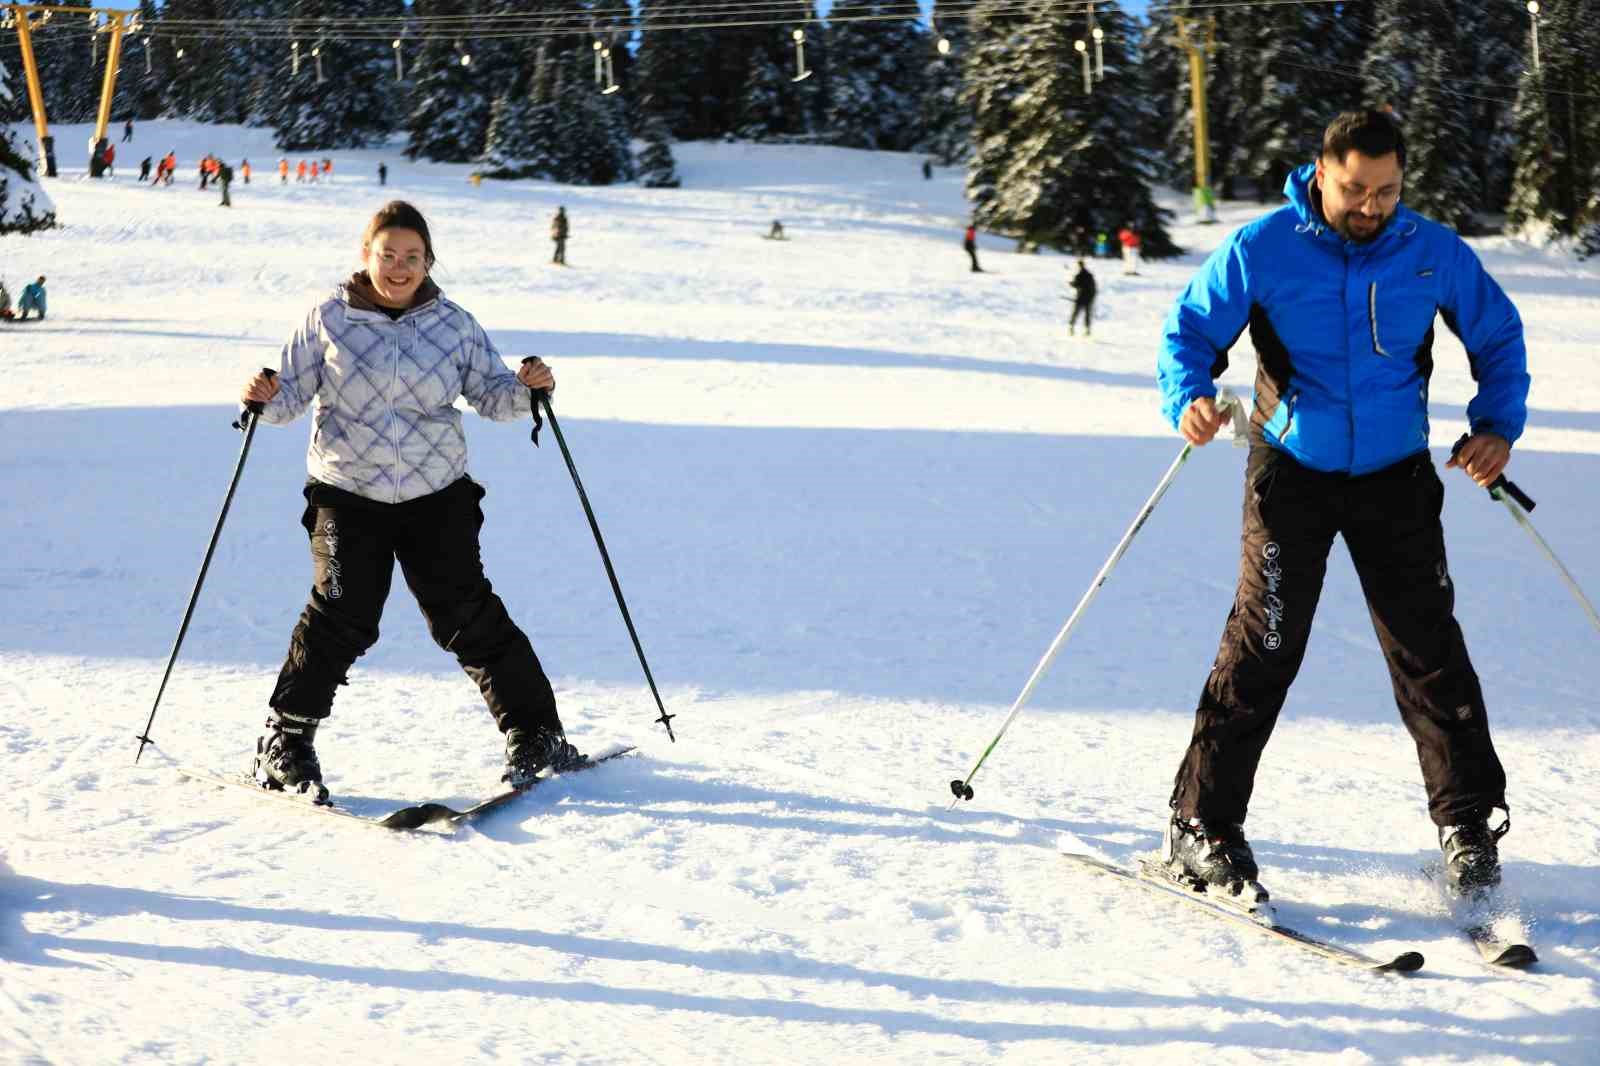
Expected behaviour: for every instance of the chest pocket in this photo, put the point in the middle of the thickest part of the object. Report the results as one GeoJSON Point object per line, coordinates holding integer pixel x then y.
{"type": "Point", "coordinates": [1400, 312]}
{"type": "Point", "coordinates": [429, 373]}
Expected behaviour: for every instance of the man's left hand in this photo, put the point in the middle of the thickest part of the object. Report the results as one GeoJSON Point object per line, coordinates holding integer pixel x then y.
{"type": "Point", "coordinates": [1483, 457]}
{"type": "Point", "coordinates": [535, 375]}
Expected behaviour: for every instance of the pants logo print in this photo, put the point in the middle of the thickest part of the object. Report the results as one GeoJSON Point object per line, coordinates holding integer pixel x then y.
{"type": "Point", "coordinates": [331, 534]}
{"type": "Point", "coordinates": [1273, 573]}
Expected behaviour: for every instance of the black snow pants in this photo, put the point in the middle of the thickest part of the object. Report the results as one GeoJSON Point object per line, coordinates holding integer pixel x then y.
{"type": "Point", "coordinates": [354, 545]}
{"type": "Point", "coordinates": [1390, 522]}
{"type": "Point", "coordinates": [1085, 307]}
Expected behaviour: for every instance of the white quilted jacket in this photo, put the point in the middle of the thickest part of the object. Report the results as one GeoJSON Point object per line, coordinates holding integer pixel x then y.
{"type": "Point", "coordinates": [383, 424]}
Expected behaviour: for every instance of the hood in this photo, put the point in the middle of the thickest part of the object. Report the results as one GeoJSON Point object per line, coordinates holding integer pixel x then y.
{"type": "Point", "coordinates": [358, 292]}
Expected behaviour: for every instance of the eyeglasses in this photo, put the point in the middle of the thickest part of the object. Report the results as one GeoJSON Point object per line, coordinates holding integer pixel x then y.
{"type": "Point", "coordinates": [1387, 196]}
{"type": "Point", "coordinates": [390, 260]}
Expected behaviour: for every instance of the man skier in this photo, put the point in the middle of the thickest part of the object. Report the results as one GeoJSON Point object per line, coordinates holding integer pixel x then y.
{"type": "Point", "coordinates": [1083, 289]}
{"type": "Point", "coordinates": [969, 244]}
{"type": "Point", "coordinates": [1339, 289]}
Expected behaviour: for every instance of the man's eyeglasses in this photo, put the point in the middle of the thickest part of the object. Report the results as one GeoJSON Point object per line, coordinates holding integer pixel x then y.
{"type": "Point", "coordinates": [1387, 196]}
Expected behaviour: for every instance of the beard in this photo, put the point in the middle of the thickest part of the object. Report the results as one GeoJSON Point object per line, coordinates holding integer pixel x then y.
{"type": "Point", "coordinates": [1364, 235]}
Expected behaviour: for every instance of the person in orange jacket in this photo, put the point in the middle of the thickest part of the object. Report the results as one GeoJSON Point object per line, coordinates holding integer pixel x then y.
{"type": "Point", "coordinates": [327, 170]}
{"type": "Point", "coordinates": [1129, 238]}
{"type": "Point", "coordinates": [300, 172]}
{"type": "Point", "coordinates": [244, 171]}
{"type": "Point", "coordinates": [283, 172]}
{"type": "Point", "coordinates": [311, 170]}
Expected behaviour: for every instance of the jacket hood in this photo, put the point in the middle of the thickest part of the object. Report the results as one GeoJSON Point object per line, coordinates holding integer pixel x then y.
{"type": "Point", "coordinates": [359, 293]}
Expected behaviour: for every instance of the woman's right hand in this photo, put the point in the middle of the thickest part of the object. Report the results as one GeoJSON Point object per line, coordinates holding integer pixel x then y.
{"type": "Point", "coordinates": [261, 388]}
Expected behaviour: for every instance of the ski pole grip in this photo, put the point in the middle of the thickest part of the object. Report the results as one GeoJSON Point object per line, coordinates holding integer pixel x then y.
{"type": "Point", "coordinates": [1500, 484]}
{"type": "Point", "coordinates": [254, 406]}
{"type": "Point", "coordinates": [536, 398]}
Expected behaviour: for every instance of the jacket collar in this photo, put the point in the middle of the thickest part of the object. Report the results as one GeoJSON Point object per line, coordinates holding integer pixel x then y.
{"type": "Point", "coordinates": [1307, 206]}
{"type": "Point", "coordinates": [360, 295]}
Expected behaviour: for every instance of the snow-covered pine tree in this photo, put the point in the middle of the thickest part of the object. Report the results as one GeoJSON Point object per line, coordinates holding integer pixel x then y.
{"type": "Point", "coordinates": [657, 169]}
{"type": "Point", "coordinates": [668, 69]}
{"type": "Point", "coordinates": [350, 107]}
{"type": "Point", "coordinates": [592, 132]}
{"type": "Point", "coordinates": [760, 112]}
{"type": "Point", "coordinates": [1498, 33]}
{"type": "Point", "coordinates": [1292, 95]}
{"type": "Point", "coordinates": [946, 122]}
{"type": "Point", "coordinates": [198, 86]}
{"type": "Point", "coordinates": [1555, 164]}
{"type": "Point", "coordinates": [138, 92]}
{"type": "Point", "coordinates": [1073, 164]}
{"type": "Point", "coordinates": [992, 82]}
{"type": "Point", "coordinates": [1441, 180]}
{"type": "Point", "coordinates": [448, 113]}
{"type": "Point", "coordinates": [1165, 71]}
{"type": "Point", "coordinates": [876, 75]}
{"type": "Point", "coordinates": [24, 206]}
{"type": "Point", "coordinates": [508, 138]}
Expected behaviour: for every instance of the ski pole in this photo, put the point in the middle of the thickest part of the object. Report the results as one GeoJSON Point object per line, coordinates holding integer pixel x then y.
{"type": "Point", "coordinates": [1226, 401]}
{"type": "Point", "coordinates": [247, 422]}
{"type": "Point", "coordinates": [541, 398]}
{"type": "Point", "coordinates": [1519, 504]}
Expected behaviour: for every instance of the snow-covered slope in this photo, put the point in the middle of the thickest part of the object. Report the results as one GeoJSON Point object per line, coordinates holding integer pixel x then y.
{"type": "Point", "coordinates": [851, 490]}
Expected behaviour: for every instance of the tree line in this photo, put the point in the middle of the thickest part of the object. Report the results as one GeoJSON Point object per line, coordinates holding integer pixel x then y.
{"type": "Point", "coordinates": [1490, 131]}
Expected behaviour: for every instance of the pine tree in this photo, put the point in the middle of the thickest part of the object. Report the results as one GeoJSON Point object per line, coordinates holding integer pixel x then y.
{"type": "Point", "coordinates": [945, 121]}
{"type": "Point", "coordinates": [448, 116]}
{"type": "Point", "coordinates": [760, 112]}
{"type": "Point", "coordinates": [1070, 163]}
{"type": "Point", "coordinates": [657, 169]}
{"type": "Point", "coordinates": [24, 205]}
{"type": "Point", "coordinates": [876, 76]}
{"type": "Point", "coordinates": [992, 82]}
{"type": "Point", "coordinates": [1440, 179]}
{"type": "Point", "coordinates": [349, 106]}
{"type": "Point", "coordinates": [592, 134]}
{"type": "Point", "coordinates": [1556, 158]}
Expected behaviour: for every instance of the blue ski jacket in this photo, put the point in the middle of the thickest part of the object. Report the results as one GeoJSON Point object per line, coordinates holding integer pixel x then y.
{"type": "Point", "coordinates": [33, 298]}
{"type": "Point", "coordinates": [1343, 334]}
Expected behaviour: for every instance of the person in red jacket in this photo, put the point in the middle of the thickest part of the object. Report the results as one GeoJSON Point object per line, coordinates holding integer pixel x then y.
{"type": "Point", "coordinates": [969, 241]}
{"type": "Point", "coordinates": [1129, 238]}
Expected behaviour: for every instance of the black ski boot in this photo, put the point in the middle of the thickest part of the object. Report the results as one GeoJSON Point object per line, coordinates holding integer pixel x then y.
{"type": "Point", "coordinates": [1472, 856]}
{"type": "Point", "coordinates": [1213, 853]}
{"type": "Point", "coordinates": [529, 751]}
{"type": "Point", "coordinates": [286, 761]}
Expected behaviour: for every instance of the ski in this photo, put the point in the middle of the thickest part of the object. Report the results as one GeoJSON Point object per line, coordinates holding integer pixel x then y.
{"type": "Point", "coordinates": [1238, 912]}
{"type": "Point", "coordinates": [415, 816]}
{"type": "Point", "coordinates": [1475, 917]}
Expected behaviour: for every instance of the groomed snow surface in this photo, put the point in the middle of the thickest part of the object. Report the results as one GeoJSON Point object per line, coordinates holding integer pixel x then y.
{"type": "Point", "coordinates": [852, 490]}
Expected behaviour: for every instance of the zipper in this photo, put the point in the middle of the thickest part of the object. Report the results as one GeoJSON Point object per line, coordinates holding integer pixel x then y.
{"type": "Point", "coordinates": [1372, 317]}
{"type": "Point", "coordinates": [394, 419]}
{"type": "Point", "coordinates": [1294, 394]}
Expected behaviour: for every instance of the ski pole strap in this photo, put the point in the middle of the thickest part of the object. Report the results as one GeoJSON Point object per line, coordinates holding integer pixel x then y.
{"type": "Point", "coordinates": [534, 396]}
{"type": "Point", "coordinates": [254, 406]}
{"type": "Point", "coordinates": [1500, 484]}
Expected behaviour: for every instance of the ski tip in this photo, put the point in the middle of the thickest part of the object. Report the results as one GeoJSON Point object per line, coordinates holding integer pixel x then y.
{"type": "Point", "coordinates": [1406, 962]}
{"type": "Point", "coordinates": [1514, 956]}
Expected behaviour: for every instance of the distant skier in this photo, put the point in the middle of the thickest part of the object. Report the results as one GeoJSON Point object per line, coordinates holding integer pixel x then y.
{"type": "Point", "coordinates": [1128, 237]}
{"type": "Point", "coordinates": [224, 179]}
{"type": "Point", "coordinates": [327, 171]}
{"type": "Point", "coordinates": [558, 233]}
{"type": "Point", "coordinates": [969, 242]}
{"type": "Point", "coordinates": [205, 171]}
{"type": "Point", "coordinates": [109, 158]}
{"type": "Point", "coordinates": [33, 299]}
{"type": "Point", "coordinates": [244, 171]}
{"type": "Point", "coordinates": [1083, 289]}
{"type": "Point", "coordinates": [144, 170]}
{"type": "Point", "coordinates": [1102, 246]}
{"type": "Point", "coordinates": [5, 303]}
{"type": "Point", "coordinates": [371, 504]}
{"type": "Point", "coordinates": [383, 174]}
{"type": "Point", "coordinates": [171, 163]}
{"type": "Point", "coordinates": [1340, 448]}
{"type": "Point", "coordinates": [776, 232]}
{"type": "Point", "coordinates": [283, 172]}
{"type": "Point", "coordinates": [127, 131]}
{"type": "Point", "coordinates": [927, 170]}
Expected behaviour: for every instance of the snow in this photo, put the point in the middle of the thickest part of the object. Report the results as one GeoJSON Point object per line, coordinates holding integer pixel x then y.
{"type": "Point", "coordinates": [852, 491]}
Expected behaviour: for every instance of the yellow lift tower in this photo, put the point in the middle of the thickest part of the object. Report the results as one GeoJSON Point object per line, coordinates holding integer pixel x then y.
{"type": "Point", "coordinates": [26, 19]}
{"type": "Point", "coordinates": [1197, 37]}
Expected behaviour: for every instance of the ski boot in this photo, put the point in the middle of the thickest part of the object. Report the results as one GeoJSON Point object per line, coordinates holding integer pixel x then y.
{"type": "Point", "coordinates": [530, 751]}
{"type": "Point", "coordinates": [1215, 858]}
{"type": "Point", "coordinates": [286, 761]}
{"type": "Point", "coordinates": [1472, 856]}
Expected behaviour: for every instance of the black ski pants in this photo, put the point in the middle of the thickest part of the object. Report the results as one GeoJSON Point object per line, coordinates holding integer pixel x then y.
{"type": "Point", "coordinates": [354, 545]}
{"type": "Point", "coordinates": [1082, 306]}
{"type": "Point", "coordinates": [1390, 523]}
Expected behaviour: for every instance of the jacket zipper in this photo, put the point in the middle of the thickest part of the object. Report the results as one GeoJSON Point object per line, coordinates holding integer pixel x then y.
{"type": "Point", "coordinates": [394, 419]}
{"type": "Point", "coordinates": [1289, 421]}
{"type": "Point", "coordinates": [1372, 316]}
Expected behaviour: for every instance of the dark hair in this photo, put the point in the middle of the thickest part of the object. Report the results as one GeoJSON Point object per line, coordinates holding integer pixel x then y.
{"type": "Point", "coordinates": [397, 214]}
{"type": "Point", "coordinates": [1372, 133]}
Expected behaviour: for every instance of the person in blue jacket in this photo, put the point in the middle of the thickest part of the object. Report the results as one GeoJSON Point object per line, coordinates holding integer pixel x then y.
{"type": "Point", "coordinates": [33, 299]}
{"type": "Point", "coordinates": [1339, 290]}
